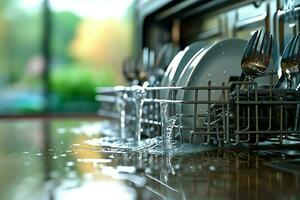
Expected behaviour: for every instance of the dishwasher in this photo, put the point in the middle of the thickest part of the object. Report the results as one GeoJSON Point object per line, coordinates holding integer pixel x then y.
{"type": "Point", "coordinates": [234, 137]}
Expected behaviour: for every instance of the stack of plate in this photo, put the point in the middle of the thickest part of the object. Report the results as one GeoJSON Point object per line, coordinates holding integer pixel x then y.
{"type": "Point", "coordinates": [195, 66]}
{"type": "Point", "coordinates": [178, 64]}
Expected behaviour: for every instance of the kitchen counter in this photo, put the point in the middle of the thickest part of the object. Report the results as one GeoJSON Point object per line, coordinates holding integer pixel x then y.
{"type": "Point", "coordinates": [50, 159]}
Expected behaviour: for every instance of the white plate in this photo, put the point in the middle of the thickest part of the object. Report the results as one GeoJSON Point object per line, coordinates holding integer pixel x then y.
{"type": "Point", "coordinates": [217, 63]}
{"type": "Point", "coordinates": [166, 54]}
{"type": "Point", "coordinates": [177, 65]}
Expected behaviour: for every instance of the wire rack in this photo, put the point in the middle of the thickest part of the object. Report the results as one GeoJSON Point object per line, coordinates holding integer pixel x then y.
{"type": "Point", "coordinates": [225, 114]}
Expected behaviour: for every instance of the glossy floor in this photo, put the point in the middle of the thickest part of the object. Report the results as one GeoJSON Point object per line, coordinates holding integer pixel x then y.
{"type": "Point", "coordinates": [49, 159]}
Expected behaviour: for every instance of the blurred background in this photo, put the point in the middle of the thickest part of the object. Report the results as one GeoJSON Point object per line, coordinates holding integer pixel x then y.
{"type": "Point", "coordinates": [53, 53]}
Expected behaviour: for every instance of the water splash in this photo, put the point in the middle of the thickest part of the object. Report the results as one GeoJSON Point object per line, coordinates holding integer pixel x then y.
{"type": "Point", "coordinates": [167, 168]}
{"type": "Point", "coordinates": [139, 94]}
{"type": "Point", "coordinates": [168, 124]}
{"type": "Point", "coordinates": [121, 104]}
{"type": "Point", "coordinates": [150, 145]}
{"type": "Point", "coordinates": [159, 145]}
{"type": "Point", "coordinates": [115, 143]}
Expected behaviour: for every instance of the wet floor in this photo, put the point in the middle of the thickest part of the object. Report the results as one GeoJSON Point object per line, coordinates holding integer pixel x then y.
{"type": "Point", "coordinates": [51, 159]}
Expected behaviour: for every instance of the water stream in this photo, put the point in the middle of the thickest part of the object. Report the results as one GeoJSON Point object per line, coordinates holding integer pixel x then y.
{"type": "Point", "coordinates": [121, 103]}
{"type": "Point", "coordinates": [139, 94]}
{"type": "Point", "coordinates": [168, 124]}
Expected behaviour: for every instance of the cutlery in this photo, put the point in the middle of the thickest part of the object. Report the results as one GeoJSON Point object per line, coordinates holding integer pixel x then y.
{"type": "Point", "coordinates": [257, 54]}
{"type": "Point", "coordinates": [290, 61]}
{"type": "Point", "coordinates": [128, 69]}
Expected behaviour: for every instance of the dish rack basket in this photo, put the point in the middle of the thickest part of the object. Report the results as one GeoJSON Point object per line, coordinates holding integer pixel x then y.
{"type": "Point", "coordinates": [230, 114]}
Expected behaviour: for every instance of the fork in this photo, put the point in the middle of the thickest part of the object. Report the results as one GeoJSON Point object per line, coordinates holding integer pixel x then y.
{"type": "Point", "coordinates": [290, 61]}
{"type": "Point", "coordinates": [255, 61]}
{"type": "Point", "coordinates": [257, 54]}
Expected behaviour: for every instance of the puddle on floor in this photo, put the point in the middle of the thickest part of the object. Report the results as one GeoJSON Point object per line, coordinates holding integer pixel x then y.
{"type": "Point", "coordinates": [83, 163]}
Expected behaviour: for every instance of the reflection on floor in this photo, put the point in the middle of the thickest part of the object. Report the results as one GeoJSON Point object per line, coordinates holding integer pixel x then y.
{"type": "Point", "coordinates": [50, 159]}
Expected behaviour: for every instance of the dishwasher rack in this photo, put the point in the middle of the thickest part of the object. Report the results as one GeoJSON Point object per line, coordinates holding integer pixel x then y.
{"type": "Point", "coordinates": [243, 112]}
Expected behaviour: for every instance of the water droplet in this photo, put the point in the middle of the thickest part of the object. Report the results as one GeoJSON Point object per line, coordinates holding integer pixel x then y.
{"type": "Point", "coordinates": [224, 72]}
{"type": "Point", "coordinates": [209, 75]}
{"type": "Point", "coordinates": [212, 168]}
{"type": "Point", "coordinates": [55, 157]}
{"type": "Point", "coordinates": [39, 154]}
{"type": "Point", "coordinates": [112, 156]}
{"type": "Point", "coordinates": [70, 164]}
{"type": "Point", "coordinates": [177, 166]}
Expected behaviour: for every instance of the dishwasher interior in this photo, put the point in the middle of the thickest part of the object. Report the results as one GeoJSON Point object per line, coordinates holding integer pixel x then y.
{"type": "Point", "coordinates": [223, 113]}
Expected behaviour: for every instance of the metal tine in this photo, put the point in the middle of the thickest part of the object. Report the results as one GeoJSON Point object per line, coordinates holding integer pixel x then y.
{"type": "Point", "coordinates": [270, 45]}
{"type": "Point", "coordinates": [298, 53]}
{"type": "Point", "coordinates": [286, 52]}
{"type": "Point", "coordinates": [295, 52]}
{"type": "Point", "coordinates": [249, 45]}
{"type": "Point", "coordinates": [265, 40]}
{"type": "Point", "coordinates": [294, 47]}
{"type": "Point", "coordinates": [257, 41]}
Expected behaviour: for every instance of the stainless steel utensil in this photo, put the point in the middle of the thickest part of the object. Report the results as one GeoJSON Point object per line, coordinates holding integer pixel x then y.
{"type": "Point", "coordinates": [257, 54]}
{"type": "Point", "coordinates": [290, 60]}
{"type": "Point", "coordinates": [128, 69]}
